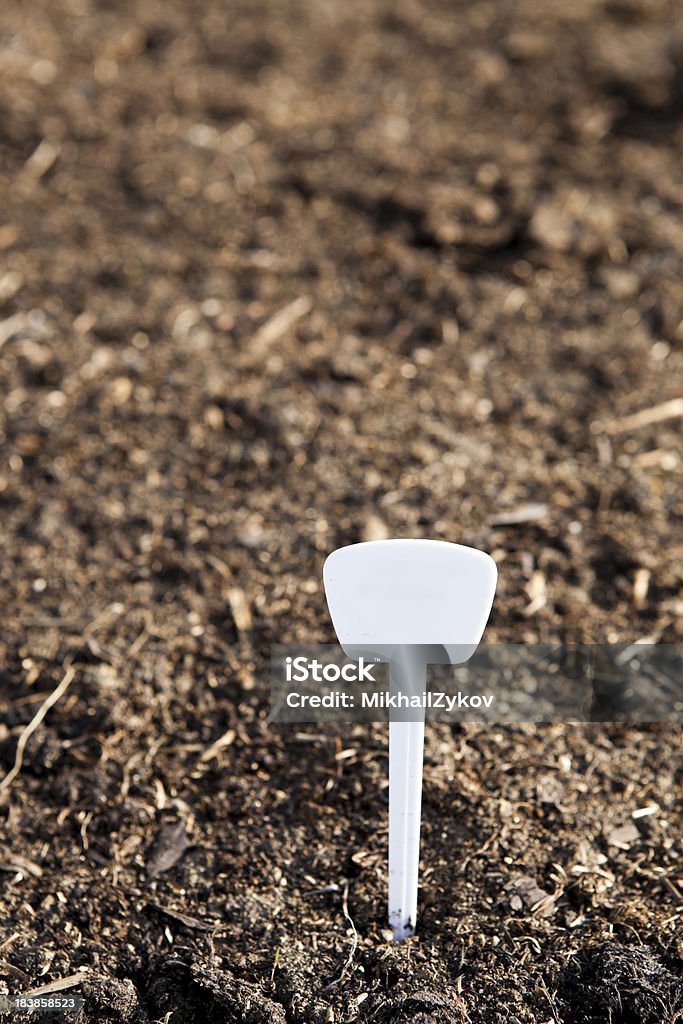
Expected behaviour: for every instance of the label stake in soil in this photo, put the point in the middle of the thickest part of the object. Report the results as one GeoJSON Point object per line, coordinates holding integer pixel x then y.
{"type": "Point", "coordinates": [411, 603]}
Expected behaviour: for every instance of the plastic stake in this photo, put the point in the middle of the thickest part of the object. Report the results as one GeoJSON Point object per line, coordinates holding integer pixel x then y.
{"type": "Point", "coordinates": [411, 603]}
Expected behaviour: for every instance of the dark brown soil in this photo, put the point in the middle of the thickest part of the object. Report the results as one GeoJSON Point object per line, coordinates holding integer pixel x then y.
{"type": "Point", "coordinates": [277, 276]}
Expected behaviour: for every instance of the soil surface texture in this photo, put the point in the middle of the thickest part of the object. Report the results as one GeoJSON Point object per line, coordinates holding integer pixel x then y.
{"type": "Point", "coordinates": [279, 276]}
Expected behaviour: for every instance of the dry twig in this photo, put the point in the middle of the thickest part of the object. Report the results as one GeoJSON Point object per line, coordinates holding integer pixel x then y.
{"type": "Point", "coordinates": [279, 324]}
{"type": "Point", "coordinates": [644, 417]}
{"type": "Point", "coordinates": [40, 714]}
{"type": "Point", "coordinates": [354, 941]}
{"type": "Point", "coordinates": [60, 985]}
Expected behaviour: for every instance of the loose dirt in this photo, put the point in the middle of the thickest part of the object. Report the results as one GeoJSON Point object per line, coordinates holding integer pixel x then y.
{"type": "Point", "coordinates": [276, 277]}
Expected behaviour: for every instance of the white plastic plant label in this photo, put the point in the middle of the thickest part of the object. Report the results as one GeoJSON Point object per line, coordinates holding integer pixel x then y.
{"type": "Point", "coordinates": [411, 603]}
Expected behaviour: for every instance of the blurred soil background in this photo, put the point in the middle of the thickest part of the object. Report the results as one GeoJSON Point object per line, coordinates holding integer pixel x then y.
{"type": "Point", "coordinates": [279, 276]}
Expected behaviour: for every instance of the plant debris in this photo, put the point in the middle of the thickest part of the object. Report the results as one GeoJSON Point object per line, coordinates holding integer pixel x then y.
{"type": "Point", "coordinates": [168, 847]}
